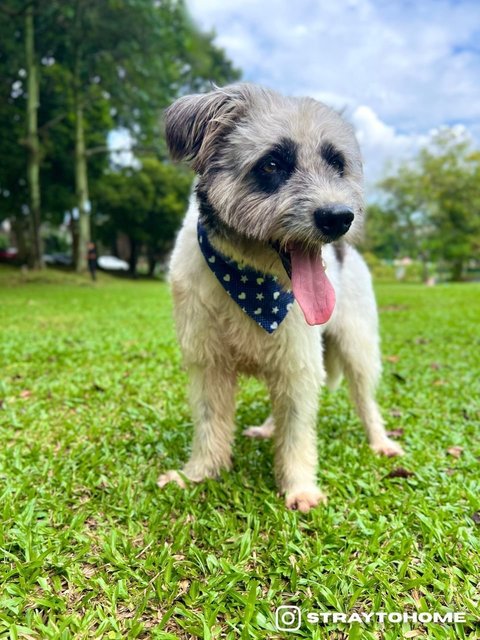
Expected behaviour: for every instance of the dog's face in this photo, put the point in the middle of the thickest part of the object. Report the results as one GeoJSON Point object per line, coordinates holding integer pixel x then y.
{"type": "Point", "coordinates": [272, 169]}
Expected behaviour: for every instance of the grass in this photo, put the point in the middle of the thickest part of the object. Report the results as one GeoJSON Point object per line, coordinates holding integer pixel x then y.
{"type": "Point", "coordinates": [93, 407]}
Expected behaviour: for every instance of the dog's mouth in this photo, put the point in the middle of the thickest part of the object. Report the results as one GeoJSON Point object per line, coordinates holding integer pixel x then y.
{"type": "Point", "coordinates": [311, 287]}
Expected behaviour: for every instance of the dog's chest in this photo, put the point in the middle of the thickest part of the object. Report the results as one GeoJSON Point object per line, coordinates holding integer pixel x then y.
{"type": "Point", "coordinates": [254, 351]}
{"type": "Point", "coordinates": [244, 343]}
{"type": "Point", "coordinates": [213, 328]}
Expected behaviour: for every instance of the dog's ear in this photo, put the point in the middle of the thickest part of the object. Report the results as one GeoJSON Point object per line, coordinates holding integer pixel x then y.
{"type": "Point", "coordinates": [194, 124]}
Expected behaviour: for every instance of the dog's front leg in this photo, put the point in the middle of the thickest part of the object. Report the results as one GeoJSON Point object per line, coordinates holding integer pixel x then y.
{"type": "Point", "coordinates": [294, 406]}
{"type": "Point", "coordinates": [212, 399]}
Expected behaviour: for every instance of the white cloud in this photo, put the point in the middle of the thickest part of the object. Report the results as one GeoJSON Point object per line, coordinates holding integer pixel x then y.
{"type": "Point", "coordinates": [120, 143]}
{"type": "Point", "coordinates": [399, 68]}
{"type": "Point", "coordinates": [381, 144]}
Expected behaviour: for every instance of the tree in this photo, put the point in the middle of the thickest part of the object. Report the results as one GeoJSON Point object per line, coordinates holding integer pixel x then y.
{"type": "Point", "coordinates": [146, 204]}
{"type": "Point", "coordinates": [32, 142]}
{"type": "Point", "coordinates": [103, 65]}
{"type": "Point", "coordinates": [433, 202]}
{"type": "Point", "coordinates": [13, 185]}
{"type": "Point", "coordinates": [57, 134]}
{"type": "Point", "coordinates": [171, 188]}
{"type": "Point", "coordinates": [383, 237]}
{"type": "Point", "coordinates": [140, 74]}
{"type": "Point", "coordinates": [450, 185]}
{"type": "Point", "coordinates": [12, 61]}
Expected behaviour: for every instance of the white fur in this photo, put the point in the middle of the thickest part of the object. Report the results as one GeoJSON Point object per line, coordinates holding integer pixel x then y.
{"type": "Point", "coordinates": [219, 341]}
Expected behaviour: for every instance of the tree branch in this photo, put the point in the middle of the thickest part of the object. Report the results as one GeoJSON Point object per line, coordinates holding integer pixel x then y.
{"type": "Point", "coordinates": [93, 151]}
{"type": "Point", "coordinates": [51, 123]}
{"type": "Point", "coordinates": [19, 12]}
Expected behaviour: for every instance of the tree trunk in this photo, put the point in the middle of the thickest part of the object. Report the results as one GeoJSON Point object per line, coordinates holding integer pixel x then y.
{"type": "Point", "coordinates": [82, 235]}
{"type": "Point", "coordinates": [22, 233]}
{"type": "Point", "coordinates": [75, 242]}
{"type": "Point", "coordinates": [152, 261]}
{"type": "Point", "coordinates": [133, 257]}
{"type": "Point", "coordinates": [424, 261]}
{"type": "Point", "coordinates": [35, 257]}
{"type": "Point", "coordinates": [457, 270]}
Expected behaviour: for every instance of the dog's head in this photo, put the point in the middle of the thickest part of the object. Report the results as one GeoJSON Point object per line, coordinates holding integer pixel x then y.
{"type": "Point", "coordinates": [278, 170]}
{"type": "Point", "coordinates": [270, 168]}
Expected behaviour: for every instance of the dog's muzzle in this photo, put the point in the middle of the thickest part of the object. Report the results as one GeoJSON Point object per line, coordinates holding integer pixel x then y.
{"type": "Point", "coordinates": [333, 221]}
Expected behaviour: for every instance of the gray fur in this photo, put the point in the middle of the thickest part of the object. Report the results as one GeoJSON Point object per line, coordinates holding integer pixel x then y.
{"type": "Point", "coordinates": [225, 132]}
{"type": "Point", "coordinates": [224, 135]}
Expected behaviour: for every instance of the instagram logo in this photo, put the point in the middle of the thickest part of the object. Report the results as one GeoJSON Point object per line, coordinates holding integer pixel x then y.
{"type": "Point", "coordinates": [288, 618]}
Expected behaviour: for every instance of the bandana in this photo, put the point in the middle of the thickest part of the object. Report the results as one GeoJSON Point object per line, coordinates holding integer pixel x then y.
{"type": "Point", "coordinates": [258, 294]}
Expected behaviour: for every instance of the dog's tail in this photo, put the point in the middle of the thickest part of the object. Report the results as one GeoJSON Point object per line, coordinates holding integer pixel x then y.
{"type": "Point", "coordinates": [333, 363]}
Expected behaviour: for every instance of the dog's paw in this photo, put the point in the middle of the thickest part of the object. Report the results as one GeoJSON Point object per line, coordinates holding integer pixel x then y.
{"type": "Point", "coordinates": [387, 448]}
{"type": "Point", "coordinates": [264, 431]}
{"type": "Point", "coordinates": [171, 476]}
{"type": "Point", "coordinates": [304, 499]}
{"type": "Point", "coordinates": [261, 433]}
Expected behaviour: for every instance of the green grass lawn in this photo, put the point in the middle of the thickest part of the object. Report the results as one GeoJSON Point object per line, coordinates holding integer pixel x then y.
{"type": "Point", "coordinates": [93, 407]}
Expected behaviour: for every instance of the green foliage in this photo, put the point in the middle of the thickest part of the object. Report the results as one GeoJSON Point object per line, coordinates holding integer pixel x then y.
{"type": "Point", "coordinates": [384, 237]}
{"type": "Point", "coordinates": [138, 55]}
{"type": "Point", "coordinates": [451, 183]}
{"type": "Point", "coordinates": [171, 188]}
{"type": "Point", "coordinates": [94, 407]}
{"type": "Point", "coordinates": [57, 132]}
{"type": "Point", "coordinates": [13, 191]}
{"type": "Point", "coordinates": [432, 206]}
{"type": "Point", "coordinates": [147, 204]}
{"type": "Point", "coordinates": [122, 62]}
{"type": "Point", "coordinates": [386, 271]}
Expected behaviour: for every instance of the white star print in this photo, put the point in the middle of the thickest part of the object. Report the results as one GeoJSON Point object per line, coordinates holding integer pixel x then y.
{"type": "Point", "coordinates": [262, 288]}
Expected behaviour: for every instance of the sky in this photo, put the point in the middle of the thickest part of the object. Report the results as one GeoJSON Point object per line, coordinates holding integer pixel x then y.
{"type": "Point", "coordinates": [400, 69]}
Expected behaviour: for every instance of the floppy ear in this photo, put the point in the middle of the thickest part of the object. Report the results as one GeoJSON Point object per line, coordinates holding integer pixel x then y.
{"type": "Point", "coordinates": [194, 124]}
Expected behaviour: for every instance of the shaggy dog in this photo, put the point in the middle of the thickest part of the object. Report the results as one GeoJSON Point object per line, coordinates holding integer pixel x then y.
{"type": "Point", "coordinates": [264, 278]}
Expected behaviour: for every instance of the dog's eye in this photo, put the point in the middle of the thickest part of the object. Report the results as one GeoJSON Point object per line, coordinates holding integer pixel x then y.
{"type": "Point", "coordinates": [270, 167]}
{"type": "Point", "coordinates": [338, 165]}
{"type": "Point", "coordinates": [334, 158]}
{"type": "Point", "coordinates": [272, 170]}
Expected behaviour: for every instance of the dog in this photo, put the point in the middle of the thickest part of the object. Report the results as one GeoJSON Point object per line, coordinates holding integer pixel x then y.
{"type": "Point", "coordinates": [265, 279]}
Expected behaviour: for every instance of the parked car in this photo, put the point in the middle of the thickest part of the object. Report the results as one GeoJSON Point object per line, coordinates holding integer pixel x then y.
{"type": "Point", "coordinates": [59, 259]}
{"type": "Point", "coordinates": [111, 263]}
{"type": "Point", "coordinates": [8, 255]}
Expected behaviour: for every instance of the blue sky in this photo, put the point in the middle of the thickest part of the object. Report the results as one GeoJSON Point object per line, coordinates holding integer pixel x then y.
{"type": "Point", "coordinates": [399, 69]}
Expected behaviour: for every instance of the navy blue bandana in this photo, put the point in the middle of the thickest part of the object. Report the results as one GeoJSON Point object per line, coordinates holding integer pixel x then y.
{"type": "Point", "coordinates": [258, 294]}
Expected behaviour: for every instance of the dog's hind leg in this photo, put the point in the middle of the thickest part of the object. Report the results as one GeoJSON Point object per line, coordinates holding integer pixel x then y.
{"type": "Point", "coordinates": [356, 348]}
{"type": "Point", "coordinates": [354, 340]}
{"type": "Point", "coordinates": [264, 431]}
{"type": "Point", "coordinates": [212, 398]}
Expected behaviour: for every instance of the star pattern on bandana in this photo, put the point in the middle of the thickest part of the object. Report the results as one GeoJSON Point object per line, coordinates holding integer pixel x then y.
{"type": "Point", "coordinates": [258, 294]}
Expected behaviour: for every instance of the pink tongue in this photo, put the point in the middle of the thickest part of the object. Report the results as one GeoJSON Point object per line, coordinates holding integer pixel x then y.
{"type": "Point", "coordinates": [311, 287]}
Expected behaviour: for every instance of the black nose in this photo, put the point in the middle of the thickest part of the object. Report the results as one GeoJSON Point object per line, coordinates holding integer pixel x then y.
{"type": "Point", "coordinates": [333, 220]}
